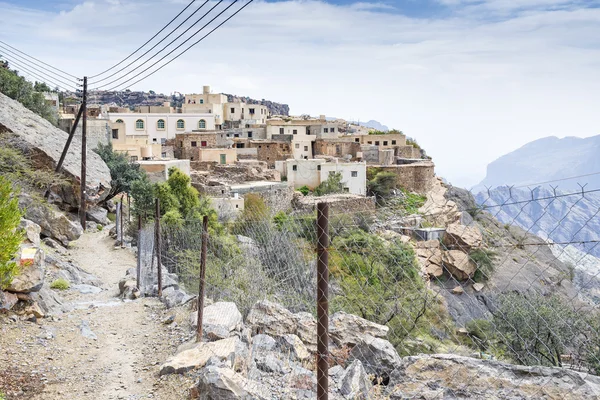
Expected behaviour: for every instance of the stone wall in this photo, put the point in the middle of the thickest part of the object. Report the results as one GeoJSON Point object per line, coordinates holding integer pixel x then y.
{"type": "Point", "coordinates": [408, 152]}
{"type": "Point", "coordinates": [271, 151]}
{"type": "Point", "coordinates": [338, 203]}
{"type": "Point", "coordinates": [277, 196]}
{"type": "Point", "coordinates": [336, 148]}
{"type": "Point", "coordinates": [183, 146]}
{"type": "Point", "coordinates": [418, 177]}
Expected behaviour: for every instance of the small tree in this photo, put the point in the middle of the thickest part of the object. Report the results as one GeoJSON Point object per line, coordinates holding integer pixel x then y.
{"type": "Point", "coordinates": [10, 236]}
{"type": "Point", "coordinates": [122, 172]}
{"type": "Point", "coordinates": [382, 185]}
{"type": "Point", "coordinates": [333, 184]}
{"type": "Point", "coordinates": [142, 192]}
{"type": "Point", "coordinates": [187, 196]}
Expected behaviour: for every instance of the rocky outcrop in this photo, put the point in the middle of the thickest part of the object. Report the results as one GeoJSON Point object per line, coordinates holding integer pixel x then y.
{"type": "Point", "coordinates": [458, 264]}
{"type": "Point", "coordinates": [53, 222]}
{"type": "Point", "coordinates": [445, 376]}
{"type": "Point", "coordinates": [32, 232]}
{"type": "Point", "coordinates": [429, 256]}
{"type": "Point", "coordinates": [98, 214]}
{"type": "Point", "coordinates": [271, 318]}
{"type": "Point", "coordinates": [220, 320]}
{"type": "Point", "coordinates": [199, 354]}
{"type": "Point", "coordinates": [462, 237]}
{"type": "Point", "coordinates": [44, 143]}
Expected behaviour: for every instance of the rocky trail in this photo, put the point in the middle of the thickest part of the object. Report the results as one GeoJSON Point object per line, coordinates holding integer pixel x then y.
{"type": "Point", "coordinates": [102, 347]}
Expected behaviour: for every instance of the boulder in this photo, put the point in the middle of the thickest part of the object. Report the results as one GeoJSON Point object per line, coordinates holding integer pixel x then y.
{"type": "Point", "coordinates": [458, 290]}
{"type": "Point", "coordinates": [269, 363]}
{"type": "Point", "coordinates": [378, 356]}
{"type": "Point", "coordinates": [199, 354]}
{"type": "Point", "coordinates": [219, 320]}
{"type": "Point", "coordinates": [7, 300]}
{"type": "Point", "coordinates": [430, 259]}
{"type": "Point", "coordinates": [478, 287]}
{"type": "Point", "coordinates": [32, 232]}
{"type": "Point", "coordinates": [354, 383]}
{"type": "Point", "coordinates": [31, 272]}
{"type": "Point", "coordinates": [292, 345]}
{"type": "Point", "coordinates": [459, 264]}
{"type": "Point", "coordinates": [462, 237]}
{"type": "Point", "coordinates": [47, 299]}
{"type": "Point", "coordinates": [44, 143]}
{"type": "Point", "coordinates": [306, 329]}
{"type": "Point", "coordinates": [53, 222]}
{"type": "Point", "coordinates": [174, 297]}
{"type": "Point", "coordinates": [69, 271]}
{"type": "Point", "coordinates": [263, 343]}
{"type": "Point", "coordinates": [271, 318]}
{"type": "Point", "coordinates": [349, 329]}
{"type": "Point", "coordinates": [98, 214]}
{"type": "Point", "coordinates": [225, 384]}
{"type": "Point", "coordinates": [441, 376]}
{"type": "Point", "coordinates": [128, 288]}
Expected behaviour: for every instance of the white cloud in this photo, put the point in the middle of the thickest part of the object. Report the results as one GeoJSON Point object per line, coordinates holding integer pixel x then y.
{"type": "Point", "coordinates": [468, 89]}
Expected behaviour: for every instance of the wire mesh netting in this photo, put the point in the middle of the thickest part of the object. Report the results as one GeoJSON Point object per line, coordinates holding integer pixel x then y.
{"type": "Point", "coordinates": [504, 275]}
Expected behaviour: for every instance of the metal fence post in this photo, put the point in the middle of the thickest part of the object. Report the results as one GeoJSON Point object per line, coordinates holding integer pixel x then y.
{"type": "Point", "coordinates": [202, 277]}
{"type": "Point", "coordinates": [323, 301]}
{"type": "Point", "coordinates": [139, 254]}
{"type": "Point", "coordinates": [157, 245]}
{"type": "Point", "coordinates": [121, 207]}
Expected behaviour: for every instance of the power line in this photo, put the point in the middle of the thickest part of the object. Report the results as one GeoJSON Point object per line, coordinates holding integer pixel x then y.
{"type": "Point", "coordinates": [33, 65]}
{"type": "Point", "coordinates": [165, 47]}
{"type": "Point", "coordinates": [48, 65]}
{"type": "Point", "coordinates": [153, 47]}
{"type": "Point", "coordinates": [149, 40]}
{"type": "Point", "coordinates": [183, 52]}
{"type": "Point", "coordinates": [36, 75]}
{"type": "Point", "coordinates": [558, 180]}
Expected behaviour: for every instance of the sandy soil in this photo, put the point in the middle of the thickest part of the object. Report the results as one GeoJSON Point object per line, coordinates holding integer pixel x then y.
{"type": "Point", "coordinates": [121, 362]}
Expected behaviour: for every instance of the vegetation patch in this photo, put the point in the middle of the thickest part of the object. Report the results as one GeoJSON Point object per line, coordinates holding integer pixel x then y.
{"type": "Point", "coordinates": [60, 284]}
{"type": "Point", "coordinates": [484, 259]}
{"type": "Point", "coordinates": [10, 235]}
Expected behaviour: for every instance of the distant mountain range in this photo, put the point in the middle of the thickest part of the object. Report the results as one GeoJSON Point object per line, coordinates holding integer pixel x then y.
{"type": "Point", "coordinates": [548, 159]}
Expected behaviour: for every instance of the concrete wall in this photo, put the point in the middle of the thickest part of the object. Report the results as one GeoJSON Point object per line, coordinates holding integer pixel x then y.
{"type": "Point", "coordinates": [388, 141]}
{"type": "Point", "coordinates": [354, 175]}
{"type": "Point", "coordinates": [304, 172]}
{"type": "Point", "coordinates": [228, 207]}
{"type": "Point", "coordinates": [214, 155]}
{"type": "Point", "coordinates": [338, 203]}
{"type": "Point", "coordinates": [155, 134]}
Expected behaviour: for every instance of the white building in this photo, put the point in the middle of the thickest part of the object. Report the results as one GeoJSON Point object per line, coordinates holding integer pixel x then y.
{"type": "Point", "coordinates": [313, 172]}
{"type": "Point", "coordinates": [302, 140]}
{"type": "Point", "coordinates": [160, 127]}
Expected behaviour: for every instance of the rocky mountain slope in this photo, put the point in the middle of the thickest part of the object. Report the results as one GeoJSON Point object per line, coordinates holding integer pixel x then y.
{"type": "Point", "coordinates": [547, 159]}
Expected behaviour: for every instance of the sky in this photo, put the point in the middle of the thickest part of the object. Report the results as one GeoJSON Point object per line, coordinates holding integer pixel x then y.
{"type": "Point", "coordinates": [470, 80]}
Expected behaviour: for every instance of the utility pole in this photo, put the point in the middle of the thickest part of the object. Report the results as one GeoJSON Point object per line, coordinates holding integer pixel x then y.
{"type": "Point", "coordinates": [82, 201]}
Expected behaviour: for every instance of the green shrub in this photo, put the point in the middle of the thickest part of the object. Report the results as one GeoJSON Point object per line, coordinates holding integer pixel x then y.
{"type": "Point", "coordinates": [333, 184]}
{"type": "Point", "coordinates": [484, 259]}
{"type": "Point", "coordinates": [304, 190]}
{"type": "Point", "coordinates": [10, 235]}
{"type": "Point", "coordinates": [60, 284]}
{"type": "Point", "coordinates": [122, 172]}
{"type": "Point", "coordinates": [413, 143]}
{"type": "Point", "coordinates": [381, 185]}
{"type": "Point", "coordinates": [100, 227]}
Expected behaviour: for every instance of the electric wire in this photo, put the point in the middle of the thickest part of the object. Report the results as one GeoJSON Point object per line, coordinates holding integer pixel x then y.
{"type": "Point", "coordinates": [156, 45]}
{"type": "Point", "coordinates": [35, 75]}
{"type": "Point", "coordinates": [180, 54]}
{"type": "Point", "coordinates": [33, 66]}
{"type": "Point", "coordinates": [40, 61]}
{"type": "Point", "coordinates": [149, 40]}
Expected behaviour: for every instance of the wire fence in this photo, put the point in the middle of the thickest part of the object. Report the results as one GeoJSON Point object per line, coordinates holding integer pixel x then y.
{"type": "Point", "coordinates": [507, 274]}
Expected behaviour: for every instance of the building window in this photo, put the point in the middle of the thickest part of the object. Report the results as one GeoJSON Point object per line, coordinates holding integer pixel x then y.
{"type": "Point", "coordinates": [332, 129]}
{"type": "Point", "coordinates": [236, 135]}
{"type": "Point", "coordinates": [194, 144]}
{"type": "Point", "coordinates": [180, 144]}
{"type": "Point", "coordinates": [134, 158]}
{"type": "Point", "coordinates": [385, 143]}
{"type": "Point", "coordinates": [294, 168]}
{"type": "Point", "coordinates": [203, 143]}
{"type": "Point", "coordinates": [201, 101]}
{"type": "Point", "coordinates": [249, 134]}
{"type": "Point", "coordinates": [305, 148]}
{"type": "Point", "coordinates": [154, 140]}
{"type": "Point", "coordinates": [119, 121]}
{"type": "Point", "coordinates": [297, 145]}
{"type": "Point", "coordinates": [325, 130]}
{"type": "Point", "coordinates": [377, 143]}
{"type": "Point", "coordinates": [233, 110]}
{"type": "Point", "coordinates": [251, 110]}
{"type": "Point", "coordinates": [357, 140]}
{"type": "Point", "coordinates": [393, 142]}
{"type": "Point", "coordinates": [139, 124]}
{"type": "Point", "coordinates": [180, 124]}
{"type": "Point", "coordinates": [281, 131]}
{"type": "Point", "coordinates": [202, 124]}
{"type": "Point", "coordinates": [370, 142]}
{"type": "Point", "coordinates": [160, 124]}
{"type": "Point", "coordinates": [163, 155]}
{"type": "Point", "coordinates": [318, 167]}
{"type": "Point", "coordinates": [115, 133]}
{"type": "Point", "coordinates": [237, 206]}
{"type": "Point", "coordinates": [295, 131]}
{"type": "Point", "coordinates": [354, 174]}
{"type": "Point", "coordinates": [163, 141]}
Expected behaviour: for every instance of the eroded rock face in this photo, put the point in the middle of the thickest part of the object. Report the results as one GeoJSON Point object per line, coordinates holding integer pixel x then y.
{"type": "Point", "coordinates": [349, 329]}
{"type": "Point", "coordinates": [437, 376]}
{"type": "Point", "coordinates": [31, 275]}
{"type": "Point", "coordinates": [355, 383]}
{"type": "Point", "coordinates": [44, 143]}
{"type": "Point", "coordinates": [32, 232]}
{"type": "Point", "coordinates": [271, 318]}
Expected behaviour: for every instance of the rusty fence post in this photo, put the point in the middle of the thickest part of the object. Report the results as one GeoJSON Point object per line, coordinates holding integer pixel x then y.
{"type": "Point", "coordinates": [157, 245]}
{"type": "Point", "coordinates": [201, 285]}
{"type": "Point", "coordinates": [139, 255]}
{"type": "Point", "coordinates": [121, 231]}
{"type": "Point", "coordinates": [322, 301]}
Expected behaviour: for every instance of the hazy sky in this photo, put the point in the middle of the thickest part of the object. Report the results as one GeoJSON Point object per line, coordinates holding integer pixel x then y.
{"type": "Point", "coordinates": [470, 79]}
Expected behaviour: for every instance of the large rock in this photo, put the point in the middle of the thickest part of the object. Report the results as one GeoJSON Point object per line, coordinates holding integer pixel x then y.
{"type": "Point", "coordinates": [354, 383]}
{"type": "Point", "coordinates": [44, 143]}
{"type": "Point", "coordinates": [222, 383]}
{"type": "Point", "coordinates": [459, 264]}
{"type": "Point", "coordinates": [219, 320]}
{"type": "Point", "coordinates": [271, 318]}
{"type": "Point", "coordinates": [47, 300]}
{"type": "Point", "coordinates": [462, 237]}
{"type": "Point", "coordinates": [292, 345]}
{"type": "Point", "coordinates": [199, 354]}
{"type": "Point", "coordinates": [32, 232]}
{"type": "Point", "coordinates": [53, 222]}
{"type": "Point", "coordinates": [31, 272]}
{"type": "Point", "coordinates": [7, 300]}
{"type": "Point", "coordinates": [429, 256]}
{"type": "Point", "coordinates": [98, 214]}
{"type": "Point", "coordinates": [306, 329]}
{"type": "Point", "coordinates": [445, 376]}
{"type": "Point", "coordinates": [349, 329]}
{"type": "Point", "coordinates": [378, 356]}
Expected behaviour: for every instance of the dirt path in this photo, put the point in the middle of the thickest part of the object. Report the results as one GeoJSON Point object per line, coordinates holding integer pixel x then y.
{"type": "Point", "coordinates": [125, 343]}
